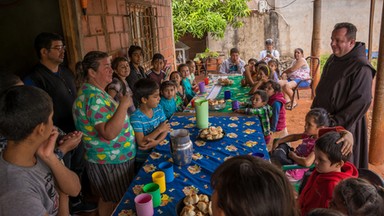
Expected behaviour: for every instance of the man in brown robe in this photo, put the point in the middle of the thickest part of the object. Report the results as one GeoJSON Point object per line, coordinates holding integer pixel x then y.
{"type": "Point", "coordinates": [345, 88]}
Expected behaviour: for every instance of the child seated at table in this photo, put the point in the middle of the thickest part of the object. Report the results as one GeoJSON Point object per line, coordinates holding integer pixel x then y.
{"type": "Point", "coordinates": [261, 109]}
{"type": "Point", "coordinates": [246, 185]}
{"type": "Point", "coordinates": [249, 73]}
{"type": "Point", "coordinates": [181, 99]}
{"type": "Point", "coordinates": [156, 73]}
{"type": "Point", "coordinates": [331, 167]}
{"type": "Point", "coordinates": [184, 71]}
{"type": "Point", "coordinates": [168, 98]}
{"type": "Point", "coordinates": [356, 196]}
{"type": "Point", "coordinates": [191, 75]}
{"type": "Point", "coordinates": [148, 121]}
{"type": "Point", "coordinates": [276, 101]}
{"type": "Point", "coordinates": [283, 154]}
{"type": "Point", "coordinates": [263, 75]}
{"type": "Point", "coordinates": [273, 65]}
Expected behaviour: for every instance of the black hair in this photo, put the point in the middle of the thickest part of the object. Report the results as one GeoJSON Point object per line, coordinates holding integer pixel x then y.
{"type": "Point", "coordinates": [269, 41]}
{"type": "Point", "coordinates": [327, 144]}
{"type": "Point", "coordinates": [166, 84]}
{"type": "Point", "coordinates": [275, 61]}
{"type": "Point", "coordinates": [115, 64]}
{"type": "Point", "coordinates": [144, 88]}
{"type": "Point", "coordinates": [351, 29]}
{"type": "Point", "coordinates": [189, 62]}
{"type": "Point", "coordinates": [157, 56]}
{"type": "Point", "coordinates": [181, 66]}
{"type": "Point", "coordinates": [8, 80]}
{"type": "Point", "coordinates": [265, 70]}
{"type": "Point", "coordinates": [44, 40]}
{"type": "Point", "coordinates": [134, 48]}
{"type": "Point", "coordinates": [263, 95]}
{"type": "Point", "coordinates": [252, 59]}
{"type": "Point", "coordinates": [245, 184]}
{"type": "Point", "coordinates": [320, 116]}
{"type": "Point", "coordinates": [324, 212]}
{"type": "Point", "coordinates": [234, 50]}
{"type": "Point", "coordinates": [22, 108]}
{"type": "Point", "coordinates": [300, 50]}
{"type": "Point", "coordinates": [359, 197]}
{"type": "Point", "coordinates": [174, 72]}
{"type": "Point", "coordinates": [275, 85]}
{"type": "Point", "coordinates": [90, 61]}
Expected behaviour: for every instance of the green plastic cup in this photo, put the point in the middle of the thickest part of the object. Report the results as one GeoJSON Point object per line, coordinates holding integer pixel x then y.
{"type": "Point", "coordinates": [154, 190]}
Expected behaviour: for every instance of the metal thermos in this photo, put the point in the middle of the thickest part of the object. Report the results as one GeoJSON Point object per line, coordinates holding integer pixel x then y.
{"type": "Point", "coordinates": [181, 147]}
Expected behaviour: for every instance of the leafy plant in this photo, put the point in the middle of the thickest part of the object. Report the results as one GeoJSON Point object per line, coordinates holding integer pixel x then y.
{"type": "Point", "coordinates": [207, 54]}
{"type": "Point", "coordinates": [199, 17]}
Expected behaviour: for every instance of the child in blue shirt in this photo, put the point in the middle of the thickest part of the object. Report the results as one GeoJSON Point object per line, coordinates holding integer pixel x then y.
{"type": "Point", "coordinates": [168, 98]}
{"type": "Point", "coordinates": [184, 71]}
{"type": "Point", "coordinates": [148, 121]}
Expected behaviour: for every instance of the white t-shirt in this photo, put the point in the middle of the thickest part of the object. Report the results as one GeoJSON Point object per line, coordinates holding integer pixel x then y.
{"type": "Point", "coordinates": [274, 53]}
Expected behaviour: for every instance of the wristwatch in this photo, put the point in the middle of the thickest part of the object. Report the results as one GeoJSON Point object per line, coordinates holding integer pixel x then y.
{"type": "Point", "coordinates": [59, 154]}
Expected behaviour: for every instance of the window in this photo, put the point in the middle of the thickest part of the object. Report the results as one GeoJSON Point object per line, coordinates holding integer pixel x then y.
{"type": "Point", "coordinates": [144, 30]}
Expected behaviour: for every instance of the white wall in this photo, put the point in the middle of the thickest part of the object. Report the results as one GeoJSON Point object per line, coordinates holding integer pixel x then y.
{"type": "Point", "coordinates": [295, 26]}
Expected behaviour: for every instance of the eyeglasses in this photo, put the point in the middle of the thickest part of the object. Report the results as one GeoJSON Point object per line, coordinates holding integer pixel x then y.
{"type": "Point", "coordinates": [59, 48]}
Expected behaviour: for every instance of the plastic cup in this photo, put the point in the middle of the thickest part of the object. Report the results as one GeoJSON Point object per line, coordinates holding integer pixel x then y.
{"type": "Point", "coordinates": [144, 206]}
{"type": "Point", "coordinates": [154, 190]}
{"type": "Point", "coordinates": [227, 95]}
{"type": "Point", "coordinates": [258, 154]}
{"type": "Point", "coordinates": [159, 178]}
{"type": "Point", "coordinates": [235, 105]}
{"type": "Point", "coordinates": [202, 87]}
{"type": "Point", "coordinates": [206, 80]}
{"type": "Point", "coordinates": [167, 168]}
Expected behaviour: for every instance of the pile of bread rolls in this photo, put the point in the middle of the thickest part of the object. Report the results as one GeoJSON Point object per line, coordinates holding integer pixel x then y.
{"type": "Point", "coordinates": [212, 133]}
{"type": "Point", "coordinates": [197, 205]}
{"type": "Point", "coordinates": [225, 81]}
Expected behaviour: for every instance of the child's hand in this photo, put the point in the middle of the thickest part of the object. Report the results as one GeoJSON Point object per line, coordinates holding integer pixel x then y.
{"type": "Point", "coordinates": [292, 154]}
{"type": "Point", "coordinates": [70, 141]}
{"type": "Point", "coordinates": [347, 138]}
{"type": "Point", "coordinates": [45, 151]}
{"type": "Point", "coordinates": [148, 144]}
{"type": "Point", "coordinates": [239, 111]}
{"type": "Point", "coordinates": [164, 126]}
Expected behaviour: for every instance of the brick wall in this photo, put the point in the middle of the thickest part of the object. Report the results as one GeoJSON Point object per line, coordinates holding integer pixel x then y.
{"type": "Point", "coordinates": [107, 27]}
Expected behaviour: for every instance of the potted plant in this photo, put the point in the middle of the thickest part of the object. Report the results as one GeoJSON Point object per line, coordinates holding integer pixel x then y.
{"type": "Point", "coordinates": [209, 57]}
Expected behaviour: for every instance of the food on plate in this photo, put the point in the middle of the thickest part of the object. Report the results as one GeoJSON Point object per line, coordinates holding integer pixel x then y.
{"type": "Point", "coordinates": [225, 81]}
{"type": "Point", "coordinates": [201, 207]}
{"type": "Point", "coordinates": [213, 102]}
{"type": "Point", "coordinates": [212, 133]}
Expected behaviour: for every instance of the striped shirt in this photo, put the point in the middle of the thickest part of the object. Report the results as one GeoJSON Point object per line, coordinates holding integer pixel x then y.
{"type": "Point", "coordinates": [143, 124]}
{"type": "Point", "coordinates": [264, 113]}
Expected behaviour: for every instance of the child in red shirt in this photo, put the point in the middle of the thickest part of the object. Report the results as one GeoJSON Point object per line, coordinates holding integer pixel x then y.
{"type": "Point", "coordinates": [331, 168]}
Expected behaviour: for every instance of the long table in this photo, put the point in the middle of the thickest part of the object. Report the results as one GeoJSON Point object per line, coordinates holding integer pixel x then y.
{"type": "Point", "coordinates": [243, 136]}
{"type": "Point", "coordinates": [214, 90]}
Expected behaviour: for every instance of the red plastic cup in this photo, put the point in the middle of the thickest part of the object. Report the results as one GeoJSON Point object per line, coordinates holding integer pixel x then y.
{"type": "Point", "coordinates": [206, 81]}
{"type": "Point", "coordinates": [193, 103]}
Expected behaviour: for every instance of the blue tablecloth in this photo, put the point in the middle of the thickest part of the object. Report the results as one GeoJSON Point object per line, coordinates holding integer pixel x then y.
{"type": "Point", "coordinates": [243, 136]}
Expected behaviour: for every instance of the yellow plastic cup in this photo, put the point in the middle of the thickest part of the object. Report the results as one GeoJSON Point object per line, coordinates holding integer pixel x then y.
{"type": "Point", "coordinates": [159, 178]}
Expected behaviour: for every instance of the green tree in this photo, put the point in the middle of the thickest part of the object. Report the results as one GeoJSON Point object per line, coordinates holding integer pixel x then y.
{"type": "Point", "coordinates": [207, 16]}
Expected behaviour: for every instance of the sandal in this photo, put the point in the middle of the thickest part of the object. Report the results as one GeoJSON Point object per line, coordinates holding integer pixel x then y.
{"type": "Point", "coordinates": [290, 107]}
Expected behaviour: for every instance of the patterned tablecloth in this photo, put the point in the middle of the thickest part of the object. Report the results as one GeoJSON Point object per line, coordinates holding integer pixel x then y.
{"type": "Point", "coordinates": [238, 93]}
{"type": "Point", "coordinates": [243, 136]}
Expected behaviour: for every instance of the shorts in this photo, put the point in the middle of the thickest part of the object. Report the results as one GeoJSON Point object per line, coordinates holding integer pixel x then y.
{"type": "Point", "coordinates": [302, 84]}
{"type": "Point", "coordinates": [110, 181]}
{"type": "Point", "coordinates": [280, 154]}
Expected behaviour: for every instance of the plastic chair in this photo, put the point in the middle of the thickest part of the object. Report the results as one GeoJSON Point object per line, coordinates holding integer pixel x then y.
{"type": "Point", "coordinates": [313, 62]}
{"type": "Point", "coordinates": [298, 185]}
{"type": "Point", "coordinates": [371, 176]}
